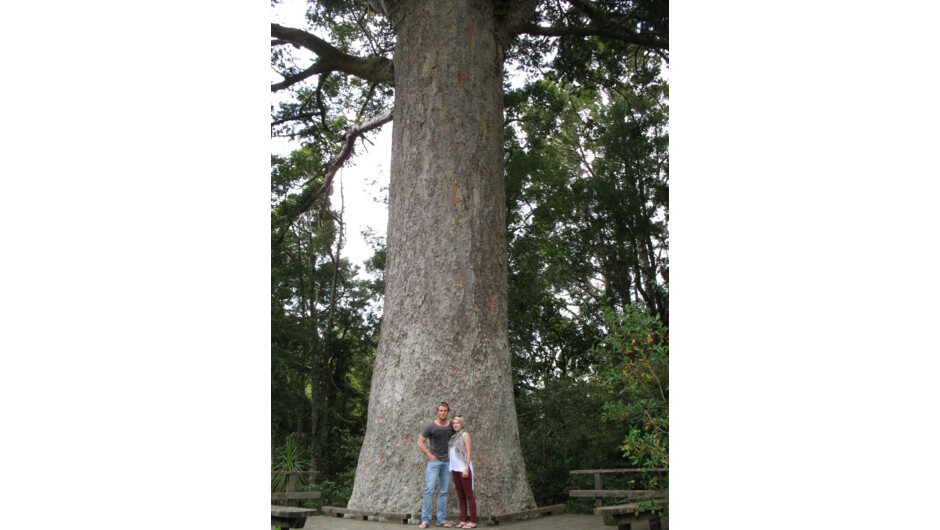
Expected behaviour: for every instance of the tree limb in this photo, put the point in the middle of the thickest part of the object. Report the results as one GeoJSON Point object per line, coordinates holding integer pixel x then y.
{"type": "Point", "coordinates": [376, 69]}
{"type": "Point", "coordinates": [317, 68]}
{"type": "Point", "coordinates": [594, 31]}
{"type": "Point", "coordinates": [518, 14]}
{"type": "Point", "coordinates": [309, 194]}
{"type": "Point", "coordinates": [592, 12]}
{"type": "Point", "coordinates": [297, 117]}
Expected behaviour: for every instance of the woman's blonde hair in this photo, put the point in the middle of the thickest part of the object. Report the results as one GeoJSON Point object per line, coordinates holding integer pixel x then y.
{"type": "Point", "coordinates": [463, 424]}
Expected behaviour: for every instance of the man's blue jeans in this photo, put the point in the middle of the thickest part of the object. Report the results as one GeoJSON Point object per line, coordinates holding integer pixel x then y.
{"type": "Point", "coordinates": [437, 473]}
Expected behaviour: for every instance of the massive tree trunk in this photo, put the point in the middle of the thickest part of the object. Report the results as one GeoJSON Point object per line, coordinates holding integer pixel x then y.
{"type": "Point", "coordinates": [444, 331]}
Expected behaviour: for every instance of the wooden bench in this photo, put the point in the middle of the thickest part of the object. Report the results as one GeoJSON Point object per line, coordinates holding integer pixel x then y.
{"type": "Point", "coordinates": [629, 517]}
{"type": "Point", "coordinates": [599, 493]}
{"type": "Point", "coordinates": [365, 514]}
{"type": "Point", "coordinates": [290, 517]}
{"type": "Point", "coordinates": [556, 509]}
{"type": "Point", "coordinates": [287, 497]}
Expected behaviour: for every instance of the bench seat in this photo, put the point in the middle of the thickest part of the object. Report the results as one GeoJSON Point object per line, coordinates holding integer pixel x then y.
{"type": "Point", "coordinates": [290, 517]}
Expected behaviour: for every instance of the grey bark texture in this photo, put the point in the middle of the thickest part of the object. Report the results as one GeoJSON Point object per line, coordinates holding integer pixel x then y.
{"type": "Point", "coordinates": [444, 331]}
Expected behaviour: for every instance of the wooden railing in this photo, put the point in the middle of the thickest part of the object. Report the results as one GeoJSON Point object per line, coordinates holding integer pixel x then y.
{"type": "Point", "coordinates": [599, 493]}
{"type": "Point", "coordinates": [288, 497]}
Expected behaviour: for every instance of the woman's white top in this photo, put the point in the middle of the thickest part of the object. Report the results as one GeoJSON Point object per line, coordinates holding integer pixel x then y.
{"type": "Point", "coordinates": [458, 465]}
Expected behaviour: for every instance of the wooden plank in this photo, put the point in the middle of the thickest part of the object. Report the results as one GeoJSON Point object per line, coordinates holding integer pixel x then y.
{"type": "Point", "coordinates": [365, 514]}
{"type": "Point", "coordinates": [622, 509]}
{"type": "Point", "coordinates": [333, 510]}
{"type": "Point", "coordinates": [294, 495]}
{"type": "Point", "coordinates": [555, 509]}
{"type": "Point", "coordinates": [620, 494]}
{"type": "Point", "coordinates": [633, 470]}
{"type": "Point", "coordinates": [290, 511]}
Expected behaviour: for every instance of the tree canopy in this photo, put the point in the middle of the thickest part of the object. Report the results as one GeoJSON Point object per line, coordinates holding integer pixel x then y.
{"type": "Point", "coordinates": [349, 82]}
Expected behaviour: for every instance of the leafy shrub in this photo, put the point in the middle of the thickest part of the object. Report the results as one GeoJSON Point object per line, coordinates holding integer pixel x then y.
{"type": "Point", "coordinates": [638, 346]}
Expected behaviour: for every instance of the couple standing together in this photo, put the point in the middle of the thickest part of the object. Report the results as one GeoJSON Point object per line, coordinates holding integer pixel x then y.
{"type": "Point", "coordinates": [449, 454]}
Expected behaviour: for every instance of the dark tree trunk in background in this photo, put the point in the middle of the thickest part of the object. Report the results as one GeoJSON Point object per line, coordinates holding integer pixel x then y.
{"type": "Point", "coordinates": [444, 330]}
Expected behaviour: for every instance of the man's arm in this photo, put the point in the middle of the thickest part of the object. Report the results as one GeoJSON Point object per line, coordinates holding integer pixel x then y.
{"type": "Point", "coordinates": [421, 440]}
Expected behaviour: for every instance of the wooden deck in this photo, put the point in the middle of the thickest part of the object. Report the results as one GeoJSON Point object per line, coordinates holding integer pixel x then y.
{"type": "Point", "coordinates": [552, 522]}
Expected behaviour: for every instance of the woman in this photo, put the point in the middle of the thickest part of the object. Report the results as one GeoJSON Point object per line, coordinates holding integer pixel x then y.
{"type": "Point", "coordinates": [462, 469]}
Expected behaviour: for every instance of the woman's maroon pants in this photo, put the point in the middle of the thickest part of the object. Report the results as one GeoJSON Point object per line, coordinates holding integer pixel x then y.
{"type": "Point", "coordinates": [464, 487]}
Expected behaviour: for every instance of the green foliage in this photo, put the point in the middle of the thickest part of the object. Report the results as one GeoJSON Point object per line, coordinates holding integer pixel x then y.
{"type": "Point", "coordinates": [336, 485]}
{"type": "Point", "coordinates": [638, 346]}
{"type": "Point", "coordinates": [375, 265]}
{"type": "Point", "coordinates": [587, 210]}
{"type": "Point", "coordinates": [561, 427]}
{"type": "Point", "coordinates": [324, 331]}
{"type": "Point", "coordinates": [594, 61]}
{"type": "Point", "coordinates": [324, 107]}
{"type": "Point", "coordinates": [289, 457]}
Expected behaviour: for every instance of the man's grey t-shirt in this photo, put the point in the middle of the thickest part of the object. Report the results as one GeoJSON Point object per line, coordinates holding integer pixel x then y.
{"type": "Point", "coordinates": [439, 436]}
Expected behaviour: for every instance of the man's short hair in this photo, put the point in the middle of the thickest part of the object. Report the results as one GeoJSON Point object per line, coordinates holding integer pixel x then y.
{"type": "Point", "coordinates": [445, 405]}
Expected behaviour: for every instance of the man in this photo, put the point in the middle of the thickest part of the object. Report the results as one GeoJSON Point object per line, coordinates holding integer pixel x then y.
{"type": "Point", "coordinates": [438, 432]}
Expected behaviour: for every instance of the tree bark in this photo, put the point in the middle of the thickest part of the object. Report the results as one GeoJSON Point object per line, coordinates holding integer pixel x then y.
{"type": "Point", "coordinates": [444, 330]}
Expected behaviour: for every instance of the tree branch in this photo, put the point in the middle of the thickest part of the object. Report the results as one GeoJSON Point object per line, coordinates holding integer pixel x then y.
{"type": "Point", "coordinates": [594, 31]}
{"type": "Point", "coordinates": [376, 69]}
{"type": "Point", "coordinates": [315, 69]}
{"type": "Point", "coordinates": [297, 117]}
{"type": "Point", "coordinates": [309, 195]}
{"type": "Point", "coordinates": [585, 7]}
{"type": "Point", "coordinates": [518, 14]}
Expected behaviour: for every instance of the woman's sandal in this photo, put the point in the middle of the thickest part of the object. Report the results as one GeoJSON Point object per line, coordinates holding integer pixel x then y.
{"type": "Point", "coordinates": [460, 524]}
{"type": "Point", "coordinates": [470, 525]}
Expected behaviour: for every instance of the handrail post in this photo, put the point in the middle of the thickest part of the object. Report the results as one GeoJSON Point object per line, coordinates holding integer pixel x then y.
{"type": "Point", "coordinates": [291, 487]}
{"type": "Point", "coordinates": [598, 486]}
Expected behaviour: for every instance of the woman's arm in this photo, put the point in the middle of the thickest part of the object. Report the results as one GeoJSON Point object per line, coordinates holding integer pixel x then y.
{"type": "Point", "coordinates": [466, 437]}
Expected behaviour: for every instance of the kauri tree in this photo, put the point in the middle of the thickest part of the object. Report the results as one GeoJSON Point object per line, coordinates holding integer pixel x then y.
{"type": "Point", "coordinates": [436, 69]}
